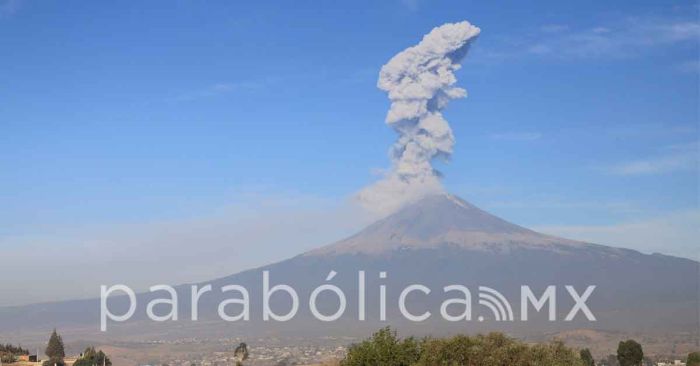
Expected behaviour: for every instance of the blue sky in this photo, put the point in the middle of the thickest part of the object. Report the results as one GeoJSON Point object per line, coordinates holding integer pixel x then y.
{"type": "Point", "coordinates": [581, 119]}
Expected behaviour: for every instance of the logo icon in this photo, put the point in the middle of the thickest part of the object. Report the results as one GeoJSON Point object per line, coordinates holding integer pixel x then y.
{"type": "Point", "coordinates": [499, 305]}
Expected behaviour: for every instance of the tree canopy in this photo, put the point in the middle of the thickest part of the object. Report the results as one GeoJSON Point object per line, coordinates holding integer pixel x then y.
{"type": "Point", "coordinates": [587, 357]}
{"type": "Point", "coordinates": [629, 353]}
{"type": "Point", "coordinates": [385, 348]}
{"type": "Point", "coordinates": [55, 350]}
{"type": "Point", "coordinates": [15, 350]}
{"type": "Point", "coordinates": [92, 357]}
{"type": "Point", "coordinates": [55, 347]}
{"type": "Point", "coordinates": [241, 353]}
{"type": "Point", "coordinates": [9, 353]}
{"type": "Point", "coordinates": [693, 359]}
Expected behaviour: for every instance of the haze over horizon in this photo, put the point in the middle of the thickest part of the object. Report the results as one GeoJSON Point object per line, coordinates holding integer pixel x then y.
{"type": "Point", "coordinates": [122, 148]}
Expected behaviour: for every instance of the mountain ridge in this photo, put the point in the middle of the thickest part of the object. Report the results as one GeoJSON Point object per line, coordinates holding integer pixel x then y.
{"type": "Point", "coordinates": [444, 219]}
{"type": "Point", "coordinates": [436, 241]}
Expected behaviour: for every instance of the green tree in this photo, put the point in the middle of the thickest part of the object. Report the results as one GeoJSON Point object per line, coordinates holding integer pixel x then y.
{"type": "Point", "coordinates": [384, 348]}
{"type": "Point", "coordinates": [241, 354]}
{"type": "Point", "coordinates": [693, 359]}
{"type": "Point", "coordinates": [629, 353]}
{"type": "Point", "coordinates": [55, 348]}
{"type": "Point", "coordinates": [7, 358]}
{"type": "Point", "coordinates": [587, 357]}
{"type": "Point", "coordinates": [9, 353]}
{"type": "Point", "coordinates": [92, 357]}
{"type": "Point", "coordinates": [14, 350]}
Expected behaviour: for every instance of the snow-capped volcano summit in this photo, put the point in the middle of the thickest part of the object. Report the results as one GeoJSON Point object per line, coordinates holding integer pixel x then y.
{"type": "Point", "coordinates": [443, 219]}
{"type": "Point", "coordinates": [437, 241]}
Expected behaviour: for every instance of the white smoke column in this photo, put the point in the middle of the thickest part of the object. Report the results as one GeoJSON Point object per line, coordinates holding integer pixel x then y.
{"type": "Point", "coordinates": [420, 82]}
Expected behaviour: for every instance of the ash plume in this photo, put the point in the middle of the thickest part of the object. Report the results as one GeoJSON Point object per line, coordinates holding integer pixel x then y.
{"type": "Point", "coordinates": [419, 81]}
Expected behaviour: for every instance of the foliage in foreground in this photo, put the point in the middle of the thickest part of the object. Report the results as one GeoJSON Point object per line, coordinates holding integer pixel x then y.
{"type": "Point", "coordinates": [629, 353]}
{"type": "Point", "coordinates": [92, 357]}
{"type": "Point", "coordinates": [55, 347]}
{"type": "Point", "coordinates": [9, 353]}
{"type": "Point", "coordinates": [55, 350]}
{"type": "Point", "coordinates": [587, 357]}
{"type": "Point", "coordinates": [15, 350]}
{"type": "Point", "coordinates": [241, 354]}
{"type": "Point", "coordinates": [693, 359]}
{"type": "Point", "coordinates": [385, 348]}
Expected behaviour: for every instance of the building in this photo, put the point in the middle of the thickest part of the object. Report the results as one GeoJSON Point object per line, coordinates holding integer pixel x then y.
{"type": "Point", "coordinates": [674, 363]}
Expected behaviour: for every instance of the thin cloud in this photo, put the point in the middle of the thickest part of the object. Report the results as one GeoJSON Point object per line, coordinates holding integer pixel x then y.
{"type": "Point", "coordinates": [554, 28]}
{"type": "Point", "coordinates": [677, 158]}
{"type": "Point", "coordinates": [233, 238]}
{"type": "Point", "coordinates": [517, 136]}
{"type": "Point", "coordinates": [674, 233]}
{"type": "Point", "coordinates": [561, 203]}
{"type": "Point", "coordinates": [220, 89]}
{"type": "Point", "coordinates": [690, 66]}
{"type": "Point", "coordinates": [9, 8]}
{"type": "Point", "coordinates": [626, 38]}
{"type": "Point", "coordinates": [411, 5]}
{"type": "Point", "coordinates": [623, 38]}
{"type": "Point", "coordinates": [653, 130]}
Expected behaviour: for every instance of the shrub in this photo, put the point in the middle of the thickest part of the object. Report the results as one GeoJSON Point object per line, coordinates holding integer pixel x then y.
{"type": "Point", "coordinates": [386, 349]}
{"type": "Point", "coordinates": [693, 359]}
{"type": "Point", "coordinates": [91, 357]}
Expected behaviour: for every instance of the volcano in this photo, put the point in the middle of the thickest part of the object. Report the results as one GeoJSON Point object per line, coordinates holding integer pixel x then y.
{"type": "Point", "coordinates": [443, 220]}
{"type": "Point", "coordinates": [437, 241]}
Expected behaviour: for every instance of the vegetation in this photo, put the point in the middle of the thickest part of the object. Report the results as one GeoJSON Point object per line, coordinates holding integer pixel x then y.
{"type": "Point", "coordinates": [9, 353]}
{"type": "Point", "coordinates": [587, 357]}
{"type": "Point", "coordinates": [8, 348]}
{"type": "Point", "coordinates": [629, 353]}
{"type": "Point", "coordinates": [92, 357]}
{"type": "Point", "coordinates": [55, 350]}
{"type": "Point", "coordinates": [55, 347]}
{"type": "Point", "coordinates": [385, 348]}
{"type": "Point", "coordinates": [693, 359]}
{"type": "Point", "coordinates": [7, 358]}
{"type": "Point", "coordinates": [241, 354]}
